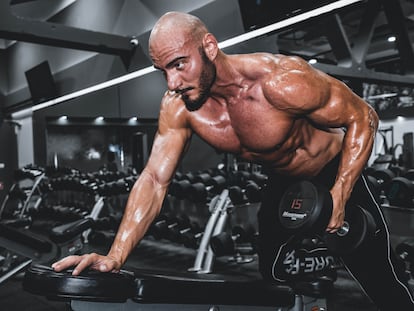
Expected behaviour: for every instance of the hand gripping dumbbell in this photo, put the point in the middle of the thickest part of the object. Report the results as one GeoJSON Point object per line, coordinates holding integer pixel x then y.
{"type": "Point", "coordinates": [306, 208]}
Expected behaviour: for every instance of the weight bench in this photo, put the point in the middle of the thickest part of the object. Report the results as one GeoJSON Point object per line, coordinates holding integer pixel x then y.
{"type": "Point", "coordinates": [146, 290]}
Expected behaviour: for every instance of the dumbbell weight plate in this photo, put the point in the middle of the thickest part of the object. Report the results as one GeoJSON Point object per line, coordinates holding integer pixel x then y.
{"type": "Point", "coordinates": [222, 244]}
{"type": "Point", "coordinates": [305, 207]}
{"type": "Point", "coordinates": [361, 227]}
{"type": "Point", "coordinates": [90, 285]}
{"type": "Point", "coordinates": [401, 192]}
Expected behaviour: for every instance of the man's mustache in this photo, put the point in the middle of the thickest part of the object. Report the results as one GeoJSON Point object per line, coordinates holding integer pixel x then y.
{"type": "Point", "coordinates": [181, 91]}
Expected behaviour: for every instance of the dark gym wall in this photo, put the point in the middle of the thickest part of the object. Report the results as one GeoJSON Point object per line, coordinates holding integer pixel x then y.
{"type": "Point", "coordinates": [3, 76]}
{"type": "Point", "coordinates": [8, 159]}
{"type": "Point", "coordinates": [139, 97]}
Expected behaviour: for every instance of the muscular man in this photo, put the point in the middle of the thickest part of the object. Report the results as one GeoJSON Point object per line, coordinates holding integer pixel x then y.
{"type": "Point", "coordinates": [275, 110]}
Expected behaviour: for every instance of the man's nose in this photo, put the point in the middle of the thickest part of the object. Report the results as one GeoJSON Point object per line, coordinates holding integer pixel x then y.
{"type": "Point", "coordinates": [173, 82]}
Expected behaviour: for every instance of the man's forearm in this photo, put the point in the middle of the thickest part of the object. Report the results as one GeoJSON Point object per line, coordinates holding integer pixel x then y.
{"type": "Point", "coordinates": [357, 148]}
{"type": "Point", "coordinates": [144, 204]}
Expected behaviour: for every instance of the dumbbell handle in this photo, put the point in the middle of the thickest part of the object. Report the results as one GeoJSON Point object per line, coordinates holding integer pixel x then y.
{"type": "Point", "coordinates": [343, 230]}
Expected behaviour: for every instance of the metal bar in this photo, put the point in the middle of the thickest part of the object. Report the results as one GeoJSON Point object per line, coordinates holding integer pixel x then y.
{"type": "Point", "coordinates": [20, 29]}
{"type": "Point", "coordinates": [366, 74]}
{"type": "Point", "coordinates": [15, 270]}
{"type": "Point", "coordinates": [366, 31]}
{"type": "Point", "coordinates": [220, 225]}
{"type": "Point", "coordinates": [338, 41]}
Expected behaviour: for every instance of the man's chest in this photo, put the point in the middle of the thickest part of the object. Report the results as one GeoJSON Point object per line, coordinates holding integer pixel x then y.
{"type": "Point", "coordinates": [246, 126]}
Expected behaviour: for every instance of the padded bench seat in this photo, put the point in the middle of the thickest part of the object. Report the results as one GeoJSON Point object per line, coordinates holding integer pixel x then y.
{"type": "Point", "coordinates": [155, 287]}
{"type": "Point", "coordinates": [179, 288]}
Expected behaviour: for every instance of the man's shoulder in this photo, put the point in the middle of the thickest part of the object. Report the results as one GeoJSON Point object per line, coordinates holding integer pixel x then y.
{"type": "Point", "coordinates": [263, 64]}
{"type": "Point", "coordinates": [173, 112]}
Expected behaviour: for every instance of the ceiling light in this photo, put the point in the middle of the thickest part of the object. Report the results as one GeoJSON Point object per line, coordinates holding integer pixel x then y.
{"type": "Point", "coordinates": [392, 39]}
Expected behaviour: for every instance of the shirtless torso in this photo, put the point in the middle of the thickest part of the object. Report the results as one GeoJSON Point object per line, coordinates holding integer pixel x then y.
{"type": "Point", "coordinates": [264, 131]}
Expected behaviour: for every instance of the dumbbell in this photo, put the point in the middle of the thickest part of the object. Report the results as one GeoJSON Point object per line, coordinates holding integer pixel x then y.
{"type": "Point", "coordinates": [179, 233]}
{"type": "Point", "coordinates": [253, 191]}
{"type": "Point", "coordinates": [250, 194]}
{"type": "Point", "coordinates": [259, 178]}
{"type": "Point", "coordinates": [224, 243]}
{"type": "Point", "coordinates": [162, 228]}
{"type": "Point", "coordinates": [237, 195]}
{"type": "Point", "coordinates": [405, 250]}
{"type": "Point", "coordinates": [179, 188]}
{"type": "Point", "coordinates": [405, 253]}
{"type": "Point", "coordinates": [306, 208]}
{"type": "Point", "coordinates": [383, 177]}
{"type": "Point", "coordinates": [204, 185]}
{"type": "Point", "coordinates": [401, 190]}
{"type": "Point", "coordinates": [192, 238]}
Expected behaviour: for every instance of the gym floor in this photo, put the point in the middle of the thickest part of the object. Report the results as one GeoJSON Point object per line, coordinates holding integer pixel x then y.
{"type": "Point", "coordinates": [346, 295]}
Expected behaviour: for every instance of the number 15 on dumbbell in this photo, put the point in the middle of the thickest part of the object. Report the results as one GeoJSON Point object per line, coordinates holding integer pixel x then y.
{"type": "Point", "coordinates": [306, 208]}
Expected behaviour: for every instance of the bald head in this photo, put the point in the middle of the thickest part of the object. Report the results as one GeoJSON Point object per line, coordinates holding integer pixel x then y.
{"type": "Point", "coordinates": [178, 24]}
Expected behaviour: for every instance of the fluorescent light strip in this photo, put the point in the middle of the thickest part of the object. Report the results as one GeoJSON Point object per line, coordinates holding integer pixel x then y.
{"type": "Point", "coordinates": [96, 87]}
{"type": "Point", "coordinates": [287, 22]}
{"type": "Point", "coordinates": [224, 44]}
{"type": "Point", "coordinates": [380, 96]}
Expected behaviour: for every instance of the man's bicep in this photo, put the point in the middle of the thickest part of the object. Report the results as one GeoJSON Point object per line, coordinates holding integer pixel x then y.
{"type": "Point", "coordinates": [167, 151]}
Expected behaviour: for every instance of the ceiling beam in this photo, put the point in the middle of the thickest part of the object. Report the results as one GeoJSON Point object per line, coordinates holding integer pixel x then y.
{"type": "Point", "coordinates": [363, 39]}
{"type": "Point", "coordinates": [396, 20]}
{"type": "Point", "coordinates": [46, 33]}
{"type": "Point", "coordinates": [367, 75]}
{"type": "Point", "coordinates": [338, 40]}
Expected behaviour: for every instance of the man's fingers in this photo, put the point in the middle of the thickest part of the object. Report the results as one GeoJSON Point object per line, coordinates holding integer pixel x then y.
{"type": "Point", "coordinates": [84, 263]}
{"type": "Point", "coordinates": [333, 227]}
{"type": "Point", "coordinates": [79, 263]}
{"type": "Point", "coordinates": [66, 263]}
{"type": "Point", "coordinates": [168, 92]}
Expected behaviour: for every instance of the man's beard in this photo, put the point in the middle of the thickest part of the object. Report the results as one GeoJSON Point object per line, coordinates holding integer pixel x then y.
{"type": "Point", "coordinates": [207, 78]}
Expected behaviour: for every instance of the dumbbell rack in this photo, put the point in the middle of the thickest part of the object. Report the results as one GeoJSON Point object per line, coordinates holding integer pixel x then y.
{"type": "Point", "coordinates": [8, 267]}
{"type": "Point", "coordinates": [30, 195]}
{"type": "Point", "coordinates": [219, 208]}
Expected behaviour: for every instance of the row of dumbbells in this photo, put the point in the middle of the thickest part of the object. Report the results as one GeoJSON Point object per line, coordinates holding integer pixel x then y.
{"type": "Point", "coordinates": [182, 230]}
{"type": "Point", "coordinates": [52, 215]}
{"type": "Point", "coordinates": [179, 229]}
{"type": "Point", "coordinates": [243, 186]}
{"type": "Point", "coordinates": [394, 184]}
{"type": "Point", "coordinates": [90, 184]}
{"type": "Point", "coordinates": [83, 183]}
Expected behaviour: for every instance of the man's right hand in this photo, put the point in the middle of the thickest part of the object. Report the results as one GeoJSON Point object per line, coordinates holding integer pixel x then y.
{"type": "Point", "coordinates": [92, 261]}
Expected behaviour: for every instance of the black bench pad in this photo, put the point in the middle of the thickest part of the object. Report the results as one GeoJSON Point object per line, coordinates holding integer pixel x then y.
{"type": "Point", "coordinates": [191, 288]}
{"type": "Point", "coordinates": [156, 287]}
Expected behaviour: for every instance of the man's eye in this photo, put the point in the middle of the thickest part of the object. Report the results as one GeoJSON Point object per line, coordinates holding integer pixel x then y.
{"type": "Point", "coordinates": [179, 65]}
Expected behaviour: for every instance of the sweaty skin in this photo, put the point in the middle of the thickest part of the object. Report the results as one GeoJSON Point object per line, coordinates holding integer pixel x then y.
{"type": "Point", "coordinates": [271, 109]}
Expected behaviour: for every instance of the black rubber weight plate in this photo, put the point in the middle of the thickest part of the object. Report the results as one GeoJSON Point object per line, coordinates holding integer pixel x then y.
{"type": "Point", "coordinates": [90, 285]}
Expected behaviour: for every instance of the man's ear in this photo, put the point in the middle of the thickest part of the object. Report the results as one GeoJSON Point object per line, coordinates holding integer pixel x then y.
{"type": "Point", "coordinates": [210, 46]}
